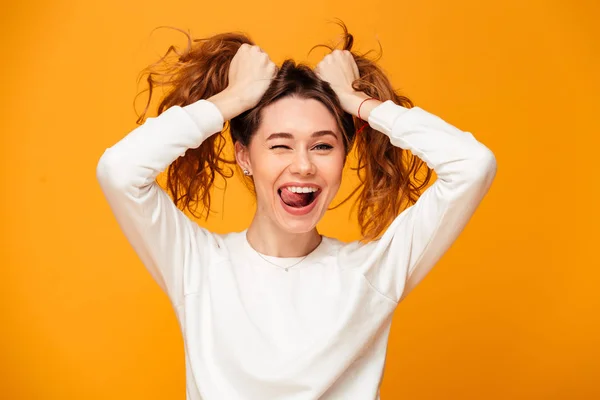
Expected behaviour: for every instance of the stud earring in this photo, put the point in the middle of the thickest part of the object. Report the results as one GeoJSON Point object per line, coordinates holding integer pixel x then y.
{"type": "Point", "coordinates": [246, 172]}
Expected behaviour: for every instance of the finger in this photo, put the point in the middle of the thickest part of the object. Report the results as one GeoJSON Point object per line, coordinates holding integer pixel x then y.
{"type": "Point", "coordinates": [317, 71]}
{"type": "Point", "coordinates": [355, 68]}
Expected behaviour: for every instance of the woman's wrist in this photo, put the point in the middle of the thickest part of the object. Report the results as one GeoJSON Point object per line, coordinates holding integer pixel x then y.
{"type": "Point", "coordinates": [351, 102]}
{"type": "Point", "coordinates": [230, 104]}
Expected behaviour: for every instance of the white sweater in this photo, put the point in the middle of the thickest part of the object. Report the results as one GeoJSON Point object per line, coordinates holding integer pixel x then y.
{"type": "Point", "coordinates": [255, 331]}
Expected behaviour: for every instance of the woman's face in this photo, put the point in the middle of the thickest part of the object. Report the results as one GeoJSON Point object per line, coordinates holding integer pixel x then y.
{"type": "Point", "coordinates": [296, 159]}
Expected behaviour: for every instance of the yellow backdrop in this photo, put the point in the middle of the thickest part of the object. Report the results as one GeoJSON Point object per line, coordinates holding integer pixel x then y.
{"type": "Point", "coordinates": [511, 311]}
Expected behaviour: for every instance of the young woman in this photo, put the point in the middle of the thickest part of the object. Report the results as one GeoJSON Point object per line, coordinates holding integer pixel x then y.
{"type": "Point", "coordinates": [279, 311]}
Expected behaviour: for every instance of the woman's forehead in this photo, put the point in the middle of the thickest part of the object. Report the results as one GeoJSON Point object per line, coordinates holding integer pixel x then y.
{"type": "Point", "coordinates": [296, 116]}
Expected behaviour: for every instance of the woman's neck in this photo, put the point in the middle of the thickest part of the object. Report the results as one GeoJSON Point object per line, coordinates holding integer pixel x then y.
{"type": "Point", "coordinates": [269, 239]}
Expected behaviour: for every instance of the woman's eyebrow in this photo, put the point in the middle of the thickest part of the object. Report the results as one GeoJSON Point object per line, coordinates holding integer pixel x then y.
{"type": "Point", "coordinates": [285, 135]}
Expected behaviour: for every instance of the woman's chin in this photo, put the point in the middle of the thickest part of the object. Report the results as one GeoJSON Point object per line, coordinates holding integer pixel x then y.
{"type": "Point", "coordinates": [297, 223]}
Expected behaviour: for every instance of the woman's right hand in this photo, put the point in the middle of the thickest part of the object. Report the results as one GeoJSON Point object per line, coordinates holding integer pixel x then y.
{"type": "Point", "coordinates": [250, 74]}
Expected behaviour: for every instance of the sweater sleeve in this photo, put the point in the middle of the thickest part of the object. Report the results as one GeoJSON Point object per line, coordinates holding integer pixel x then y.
{"type": "Point", "coordinates": [423, 232]}
{"type": "Point", "coordinates": [164, 238]}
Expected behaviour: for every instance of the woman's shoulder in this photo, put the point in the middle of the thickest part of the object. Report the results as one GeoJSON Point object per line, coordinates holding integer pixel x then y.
{"type": "Point", "coordinates": [232, 240]}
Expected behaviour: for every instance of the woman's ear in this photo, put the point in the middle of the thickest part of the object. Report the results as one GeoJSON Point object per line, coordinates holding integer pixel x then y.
{"type": "Point", "coordinates": [242, 156]}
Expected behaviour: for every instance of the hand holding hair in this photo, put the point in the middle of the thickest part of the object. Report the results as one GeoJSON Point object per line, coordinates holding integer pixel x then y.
{"type": "Point", "coordinates": [250, 73]}
{"type": "Point", "coordinates": [339, 69]}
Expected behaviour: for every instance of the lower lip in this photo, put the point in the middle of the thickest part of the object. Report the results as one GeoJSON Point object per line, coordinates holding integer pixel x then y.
{"type": "Point", "coordinates": [300, 210]}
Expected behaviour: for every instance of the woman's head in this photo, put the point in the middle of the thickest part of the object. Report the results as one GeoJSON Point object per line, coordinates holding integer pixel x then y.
{"type": "Point", "coordinates": [294, 143]}
{"type": "Point", "coordinates": [297, 136]}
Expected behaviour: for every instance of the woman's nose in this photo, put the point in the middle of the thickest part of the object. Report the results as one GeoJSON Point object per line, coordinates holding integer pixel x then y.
{"type": "Point", "coordinates": [302, 164]}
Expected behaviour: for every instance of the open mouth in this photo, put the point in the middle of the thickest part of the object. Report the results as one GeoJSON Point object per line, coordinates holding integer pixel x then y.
{"type": "Point", "coordinates": [298, 197]}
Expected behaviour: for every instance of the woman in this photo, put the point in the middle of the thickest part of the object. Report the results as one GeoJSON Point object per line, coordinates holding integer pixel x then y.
{"type": "Point", "coordinates": [279, 311]}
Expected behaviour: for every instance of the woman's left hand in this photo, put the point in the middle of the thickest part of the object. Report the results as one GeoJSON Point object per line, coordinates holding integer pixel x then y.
{"type": "Point", "coordinates": [339, 69]}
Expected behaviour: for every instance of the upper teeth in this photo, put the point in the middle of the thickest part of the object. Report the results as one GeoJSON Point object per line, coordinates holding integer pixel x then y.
{"type": "Point", "coordinates": [297, 189]}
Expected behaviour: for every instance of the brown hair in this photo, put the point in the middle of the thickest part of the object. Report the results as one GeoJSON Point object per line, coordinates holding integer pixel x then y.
{"type": "Point", "coordinates": [388, 175]}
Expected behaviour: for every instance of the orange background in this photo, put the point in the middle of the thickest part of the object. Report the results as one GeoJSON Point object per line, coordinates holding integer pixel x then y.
{"type": "Point", "coordinates": [512, 310]}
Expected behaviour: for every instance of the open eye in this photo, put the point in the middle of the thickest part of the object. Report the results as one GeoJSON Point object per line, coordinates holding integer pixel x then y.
{"type": "Point", "coordinates": [323, 146]}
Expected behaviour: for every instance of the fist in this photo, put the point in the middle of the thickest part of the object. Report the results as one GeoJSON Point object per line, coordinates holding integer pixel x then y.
{"type": "Point", "coordinates": [340, 70]}
{"type": "Point", "coordinates": [250, 73]}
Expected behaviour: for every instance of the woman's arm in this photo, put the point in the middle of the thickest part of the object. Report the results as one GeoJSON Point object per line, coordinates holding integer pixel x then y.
{"type": "Point", "coordinates": [161, 234]}
{"type": "Point", "coordinates": [164, 238]}
{"type": "Point", "coordinates": [422, 233]}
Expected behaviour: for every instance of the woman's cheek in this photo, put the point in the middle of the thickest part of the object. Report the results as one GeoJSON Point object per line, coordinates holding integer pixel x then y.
{"type": "Point", "coordinates": [333, 169]}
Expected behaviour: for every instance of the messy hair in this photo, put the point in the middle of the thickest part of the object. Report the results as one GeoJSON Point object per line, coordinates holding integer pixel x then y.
{"type": "Point", "coordinates": [389, 178]}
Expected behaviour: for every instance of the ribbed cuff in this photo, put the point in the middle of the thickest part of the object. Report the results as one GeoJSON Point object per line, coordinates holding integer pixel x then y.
{"type": "Point", "coordinates": [206, 116]}
{"type": "Point", "coordinates": [383, 116]}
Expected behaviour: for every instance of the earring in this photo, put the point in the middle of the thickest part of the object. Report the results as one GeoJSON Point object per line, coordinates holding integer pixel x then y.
{"type": "Point", "coordinates": [246, 172]}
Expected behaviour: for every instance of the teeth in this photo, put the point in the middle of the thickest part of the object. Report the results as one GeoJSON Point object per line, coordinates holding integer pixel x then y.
{"type": "Point", "coordinates": [296, 189]}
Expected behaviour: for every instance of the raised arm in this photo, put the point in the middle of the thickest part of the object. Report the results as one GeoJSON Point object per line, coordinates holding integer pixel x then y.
{"type": "Point", "coordinates": [164, 238]}
{"type": "Point", "coordinates": [161, 234]}
{"type": "Point", "coordinates": [421, 234]}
